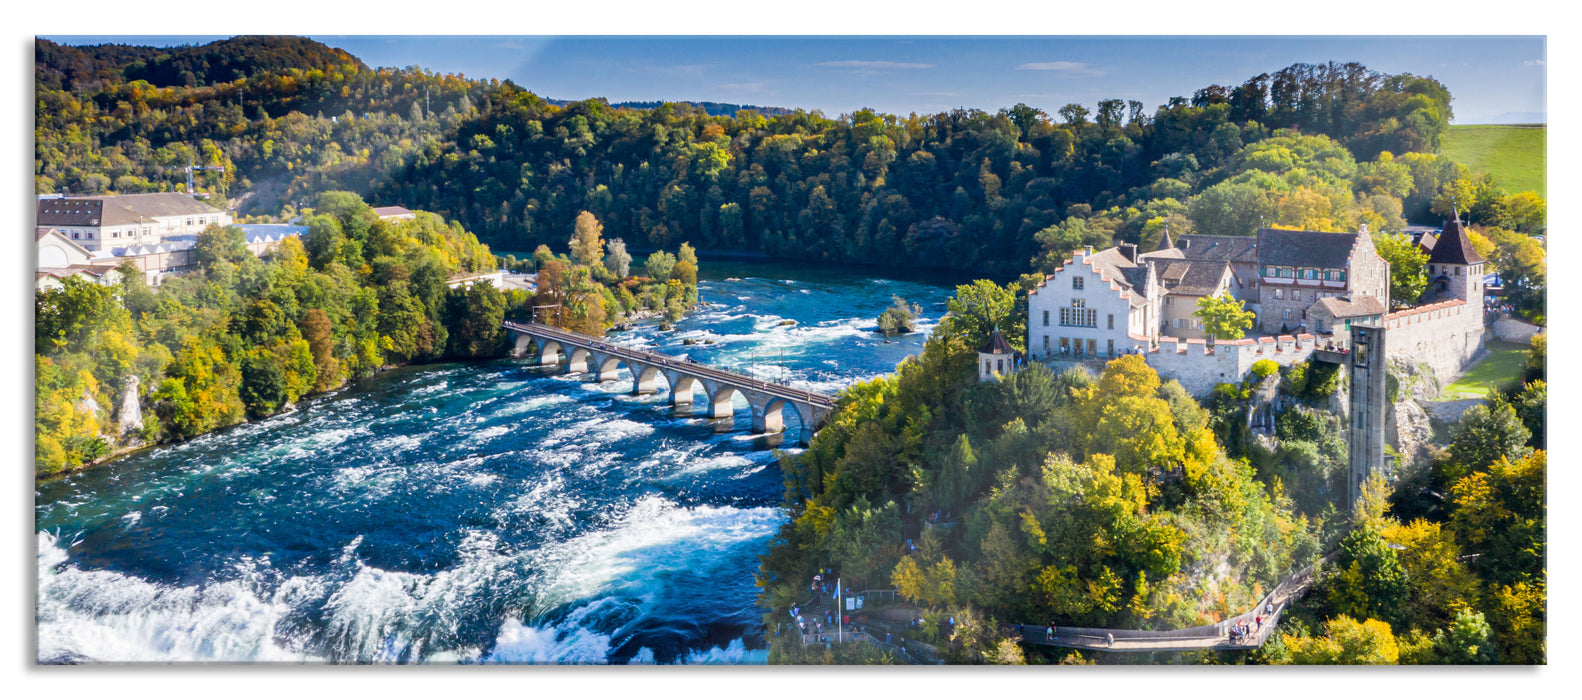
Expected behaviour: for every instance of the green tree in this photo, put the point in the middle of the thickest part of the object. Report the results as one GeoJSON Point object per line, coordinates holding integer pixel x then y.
{"type": "Point", "coordinates": [1486, 433]}
{"type": "Point", "coordinates": [1408, 267]}
{"type": "Point", "coordinates": [1223, 317]}
{"type": "Point", "coordinates": [979, 308]}
{"type": "Point", "coordinates": [473, 315]}
{"type": "Point", "coordinates": [1370, 581]}
{"type": "Point", "coordinates": [898, 318]}
{"type": "Point", "coordinates": [1530, 404]}
{"type": "Point", "coordinates": [1468, 640]}
{"type": "Point", "coordinates": [659, 265]}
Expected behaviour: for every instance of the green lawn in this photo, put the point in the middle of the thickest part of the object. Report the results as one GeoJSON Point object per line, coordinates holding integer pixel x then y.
{"type": "Point", "coordinates": [1513, 154]}
{"type": "Point", "coordinates": [1504, 363]}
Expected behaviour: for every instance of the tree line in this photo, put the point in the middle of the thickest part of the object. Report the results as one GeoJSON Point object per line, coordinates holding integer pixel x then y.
{"type": "Point", "coordinates": [243, 337]}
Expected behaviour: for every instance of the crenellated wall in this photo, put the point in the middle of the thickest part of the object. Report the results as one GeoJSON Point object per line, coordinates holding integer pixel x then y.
{"type": "Point", "coordinates": [1199, 366]}
{"type": "Point", "coordinates": [1444, 336]}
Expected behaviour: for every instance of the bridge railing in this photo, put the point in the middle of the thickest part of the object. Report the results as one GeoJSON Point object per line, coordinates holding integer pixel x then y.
{"type": "Point", "coordinates": [1277, 599]}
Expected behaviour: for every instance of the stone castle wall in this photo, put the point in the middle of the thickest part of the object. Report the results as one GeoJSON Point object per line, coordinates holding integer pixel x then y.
{"type": "Point", "coordinates": [1199, 366]}
{"type": "Point", "coordinates": [1444, 336]}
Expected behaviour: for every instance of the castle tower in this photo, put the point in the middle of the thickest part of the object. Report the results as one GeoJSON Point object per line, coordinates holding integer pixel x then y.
{"type": "Point", "coordinates": [995, 358]}
{"type": "Point", "coordinates": [1455, 270]}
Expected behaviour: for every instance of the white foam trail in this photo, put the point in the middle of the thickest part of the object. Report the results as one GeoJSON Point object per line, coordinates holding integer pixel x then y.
{"type": "Point", "coordinates": [655, 535]}
{"type": "Point", "coordinates": [734, 653]}
{"type": "Point", "coordinates": [566, 643]}
{"type": "Point", "coordinates": [105, 616]}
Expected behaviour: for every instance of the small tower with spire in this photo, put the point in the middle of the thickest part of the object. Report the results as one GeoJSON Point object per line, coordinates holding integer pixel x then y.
{"type": "Point", "coordinates": [1165, 243]}
{"type": "Point", "coordinates": [1455, 270]}
{"type": "Point", "coordinates": [995, 357]}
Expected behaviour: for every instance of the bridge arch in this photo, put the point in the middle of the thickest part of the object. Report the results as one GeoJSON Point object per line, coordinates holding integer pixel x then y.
{"type": "Point", "coordinates": [610, 367]}
{"type": "Point", "coordinates": [721, 400]}
{"type": "Point", "coordinates": [520, 343]}
{"type": "Point", "coordinates": [770, 416]}
{"type": "Point", "coordinates": [549, 352]}
{"type": "Point", "coordinates": [684, 387]}
{"type": "Point", "coordinates": [577, 362]}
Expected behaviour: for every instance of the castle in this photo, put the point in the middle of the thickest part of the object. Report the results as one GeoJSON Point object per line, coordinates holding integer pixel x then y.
{"type": "Point", "coordinates": [1307, 289]}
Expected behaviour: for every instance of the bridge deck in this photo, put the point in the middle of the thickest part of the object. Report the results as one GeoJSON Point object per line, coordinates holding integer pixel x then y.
{"type": "Point", "coordinates": [737, 379]}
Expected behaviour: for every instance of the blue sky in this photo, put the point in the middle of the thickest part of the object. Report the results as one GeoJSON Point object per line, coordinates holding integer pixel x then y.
{"type": "Point", "coordinates": [1493, 79]}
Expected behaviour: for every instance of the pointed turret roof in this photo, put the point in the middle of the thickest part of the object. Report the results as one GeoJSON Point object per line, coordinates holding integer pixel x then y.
{"type": "Point", "coordinates": [996, 345]}
{"type": "Point", "coordinates": [1164, 241]}
{"type": "Point", "coordinates": [1453, 248]}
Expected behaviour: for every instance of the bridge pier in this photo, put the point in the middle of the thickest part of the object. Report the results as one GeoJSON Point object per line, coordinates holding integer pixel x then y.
{"type": "Point", "coordinates": [577, 361]}
{"type": "Point", "coordinates": [644, 378]}
{"type": "Point", "coordinates": [767, 417]}
{"type": "Point", "coordinates": [720, 405]}
{"type": "Point", "coordinates": [682, 387]}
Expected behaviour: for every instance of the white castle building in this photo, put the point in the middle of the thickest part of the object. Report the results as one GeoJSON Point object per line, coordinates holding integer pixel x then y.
{"type": "Point", "coordinates": [1306, 287]}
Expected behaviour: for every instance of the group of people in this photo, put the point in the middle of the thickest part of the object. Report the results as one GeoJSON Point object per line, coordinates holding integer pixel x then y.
{"type": "Point", "coordinates": [1244, 630]}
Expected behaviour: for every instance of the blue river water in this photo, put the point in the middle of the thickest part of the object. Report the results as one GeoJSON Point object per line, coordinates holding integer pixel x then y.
{"type": "Point", "coordinates": [495, 512]}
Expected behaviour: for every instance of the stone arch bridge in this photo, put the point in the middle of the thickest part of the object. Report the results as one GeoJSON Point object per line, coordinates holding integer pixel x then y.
{"type": "Point", "coordinates": [689, 381]}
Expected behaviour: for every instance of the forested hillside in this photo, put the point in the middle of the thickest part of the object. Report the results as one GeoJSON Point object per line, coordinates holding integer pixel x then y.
{"type": "Point", "coordinates": [964, 189]}
{"type": "Point", "coordinates": [1118, 501]}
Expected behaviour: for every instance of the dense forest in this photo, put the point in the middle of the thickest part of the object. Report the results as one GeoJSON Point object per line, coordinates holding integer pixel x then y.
{"type": "Point", "coordinates": [1117, 500]}
{"type": "Point", "coordinates": [968, 189]}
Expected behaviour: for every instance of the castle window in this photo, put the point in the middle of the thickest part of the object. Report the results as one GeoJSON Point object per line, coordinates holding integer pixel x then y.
{"type": "Point", "coordinates": [1079, 317]}
{"type": "Point", "coordinates": [1288, 272]}
{"type": "Point", "coordinates": [1046, 317]}
{"type": "Point", "coordinates": [1112, 322]}
{"type": "Point", "coordinates": [1286, 314]}
{"type": "Point", "coordinates": [1279, 293]}
{"type": "Point", "coordinates": [1077, 282]}
{"type": "Point", "coordinates": [1311, 274]}
{"type": "Point", "coordinates": [1296, 295]}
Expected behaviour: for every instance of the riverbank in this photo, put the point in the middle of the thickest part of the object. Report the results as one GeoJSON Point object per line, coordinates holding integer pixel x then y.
{"type": "Point", "coordinates": [475, 512]}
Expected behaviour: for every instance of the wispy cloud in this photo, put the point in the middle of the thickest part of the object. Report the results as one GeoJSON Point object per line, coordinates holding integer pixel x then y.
{"type": "Point", "coordinates": [1536, 62]}
{"type": "Point", "coordinates": [876, 65]}
{"type": "Point", "coordinates": [1069, 68]}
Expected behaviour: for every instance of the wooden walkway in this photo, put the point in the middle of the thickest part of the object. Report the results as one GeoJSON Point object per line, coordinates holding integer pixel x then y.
{"type": "Point", "coordinates": [1215, 636]}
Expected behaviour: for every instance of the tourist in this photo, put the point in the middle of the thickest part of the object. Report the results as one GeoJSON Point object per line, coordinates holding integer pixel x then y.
{"type": "Point", "coordinates": [1110, 637]}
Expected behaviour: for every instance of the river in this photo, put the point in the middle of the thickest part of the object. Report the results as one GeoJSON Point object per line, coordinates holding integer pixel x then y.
{"type": "Point", "coordinates": [494, 512]}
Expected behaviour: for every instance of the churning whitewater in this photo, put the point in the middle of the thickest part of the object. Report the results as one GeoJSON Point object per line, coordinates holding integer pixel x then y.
{"type": "Point", "coordinates": [484, 513]}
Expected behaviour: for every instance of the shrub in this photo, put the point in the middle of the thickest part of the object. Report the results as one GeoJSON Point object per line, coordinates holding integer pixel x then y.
{"type": "Point", "coordinates": [1264, 368]}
